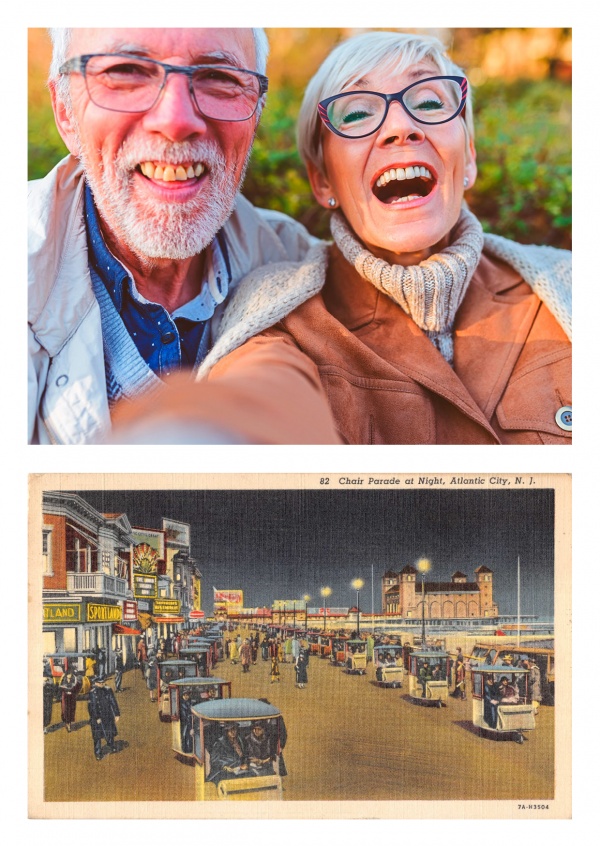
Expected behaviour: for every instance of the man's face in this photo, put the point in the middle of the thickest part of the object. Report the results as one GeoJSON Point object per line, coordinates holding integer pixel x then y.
{"type": "Point", "coordinates": [152, 217]}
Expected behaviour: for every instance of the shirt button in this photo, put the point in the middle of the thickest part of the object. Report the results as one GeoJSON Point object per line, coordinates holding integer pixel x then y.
{"type": "Point", "coordinates": [564, 418]}
{"type": "Point", "coordinates": [168, 337]}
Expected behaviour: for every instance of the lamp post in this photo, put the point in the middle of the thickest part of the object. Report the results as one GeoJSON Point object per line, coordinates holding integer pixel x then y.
{"type": "Point", "coordinates": [306, 597]}
{"type": "Point", "coordinates": [325, 592]}
{"type": "Point", "coordinates": [357, 584]}
{"type": "Point", "coordinates": [423, 566]}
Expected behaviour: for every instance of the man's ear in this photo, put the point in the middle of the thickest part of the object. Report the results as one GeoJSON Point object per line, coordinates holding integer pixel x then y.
{"type": "Point", "coordinates": [320, 185]}
{"type": "Point", "coordinates": [470, 163]}
{"type": "Point", "coordinates": [64, 120]}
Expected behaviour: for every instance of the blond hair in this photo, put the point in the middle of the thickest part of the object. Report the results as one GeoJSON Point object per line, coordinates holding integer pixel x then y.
{"type": "Point", "coordinates": [358, 56]}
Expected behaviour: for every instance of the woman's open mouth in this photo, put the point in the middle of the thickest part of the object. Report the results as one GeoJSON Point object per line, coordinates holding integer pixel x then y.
{"type": "Point", "coordinates": [402, 185]}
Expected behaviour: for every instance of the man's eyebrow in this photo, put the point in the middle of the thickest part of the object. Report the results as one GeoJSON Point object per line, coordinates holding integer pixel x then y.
{"type": "Point", "coordinates": [217, 57]}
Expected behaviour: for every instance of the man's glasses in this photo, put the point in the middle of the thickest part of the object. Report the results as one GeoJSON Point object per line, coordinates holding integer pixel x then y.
{"type": "Point", "coordinates": [357, 114]}
{"type": "Point", "coordinates": [123, 82]}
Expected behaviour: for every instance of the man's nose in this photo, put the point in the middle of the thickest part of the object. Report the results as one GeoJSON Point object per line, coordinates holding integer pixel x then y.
{"type": "Point", "coordinates": [175, 114]}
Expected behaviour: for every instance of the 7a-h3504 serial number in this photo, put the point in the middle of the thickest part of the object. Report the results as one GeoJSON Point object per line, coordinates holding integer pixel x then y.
{"type": "Point", "coordinates": [533, 807]}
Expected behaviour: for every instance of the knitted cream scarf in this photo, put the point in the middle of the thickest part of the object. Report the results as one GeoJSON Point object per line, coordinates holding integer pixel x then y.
{"type": "Point", "coordinates": [430, 292]}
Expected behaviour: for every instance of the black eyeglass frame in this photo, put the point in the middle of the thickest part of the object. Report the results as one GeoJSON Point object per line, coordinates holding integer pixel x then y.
{"type": "Point", "coordinates": [391, 98]}
{"type": "Point", "coordinates": [78, 64]}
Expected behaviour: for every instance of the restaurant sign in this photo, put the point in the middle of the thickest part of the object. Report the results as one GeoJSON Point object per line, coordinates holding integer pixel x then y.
{"type": "Point", "coordinates": [167, 606]}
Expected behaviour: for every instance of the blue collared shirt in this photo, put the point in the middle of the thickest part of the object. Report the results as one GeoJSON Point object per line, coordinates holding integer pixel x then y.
{"type": "Point", "coordinates": [165, 341]}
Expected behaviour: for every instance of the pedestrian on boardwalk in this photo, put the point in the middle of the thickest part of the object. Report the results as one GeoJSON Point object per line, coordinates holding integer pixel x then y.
{"type": "Point", "coordinates": [48, 701]}
{"type": "Point", "coordinates": [275, 676]}
{"type": "Point", "coordinates": [459, 677]}
{"type": "Point", "coordinates": [295, 649]}
{"type": "Point", "coordinates": [69, 688]}
{"type": "Point", "coordinates": [152, 677]}
{"type": "Point", "coordinates": [287, 650]}
{"type": "Point", "coordinates": [254, 649]}
{"type": "Point", "coordinates": [142, 655]}
{"type": "Point", "coordinates": [279, 650]}
{"type": "Point", "coordinates": [119, 667]}
{"type": "Point", "coordinates": [535, 684]}
{"type": "Point", "coordinates": [233, 651]}
{"type": "Point", "coordinates": [264, 649]}
{"type": "Point", "coordinates": [185, 721]}
{"type": "Point", "coordinates": [90, 666]}
{"type": "Point", "coordinates": [104, 716]}
{"type": "Point", "coordinates": [245, 656]}
{"type": "Point", "coordinates": [302, 669]}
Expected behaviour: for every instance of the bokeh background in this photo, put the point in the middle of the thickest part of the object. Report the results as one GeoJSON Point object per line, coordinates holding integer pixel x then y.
{"type": "Point", "coordinates": [521, 80]}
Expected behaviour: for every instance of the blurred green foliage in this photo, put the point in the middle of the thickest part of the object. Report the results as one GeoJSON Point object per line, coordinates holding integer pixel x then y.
{"type": "Point", "coordinates": [523, 141]}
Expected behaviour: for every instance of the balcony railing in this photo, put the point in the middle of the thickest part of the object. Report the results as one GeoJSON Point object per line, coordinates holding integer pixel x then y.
{"type": "Point", "coordinates": [98, 584]}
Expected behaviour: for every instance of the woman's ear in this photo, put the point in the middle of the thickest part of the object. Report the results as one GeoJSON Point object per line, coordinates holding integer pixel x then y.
{"type": "Point", "coordinates": [64, 120]}
{"type": "Point", "coordinates": [470, 164]}
{"type": "Point", "coordinates": [320, 185]}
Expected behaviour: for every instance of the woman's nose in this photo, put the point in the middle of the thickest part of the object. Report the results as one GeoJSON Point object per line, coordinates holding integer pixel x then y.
{"type": "Point", "coordinates": [399, 127]}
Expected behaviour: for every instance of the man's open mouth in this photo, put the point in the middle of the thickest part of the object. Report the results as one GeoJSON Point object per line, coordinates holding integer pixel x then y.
{"type": "Point", "coordinates": [171, 172]}
{"type": "Point", "coordinates": [401, 185]}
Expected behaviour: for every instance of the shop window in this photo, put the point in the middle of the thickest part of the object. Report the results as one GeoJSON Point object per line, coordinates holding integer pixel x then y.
{"type": "Point", "coordinates": [47, 551]}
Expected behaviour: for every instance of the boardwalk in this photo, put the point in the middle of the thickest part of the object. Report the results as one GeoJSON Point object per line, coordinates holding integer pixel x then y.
{"type": "Point", "coordinates": [347, 740]}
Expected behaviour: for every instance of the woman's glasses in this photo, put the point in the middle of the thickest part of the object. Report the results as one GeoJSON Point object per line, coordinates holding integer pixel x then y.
{"type": "Point", "coordinates": [356, 114]}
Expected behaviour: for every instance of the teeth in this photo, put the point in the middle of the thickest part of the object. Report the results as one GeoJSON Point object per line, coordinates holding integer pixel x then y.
{"type": "Point", "coordinates": [403, 173]}
{"type": "Point", "coordinates": [171, 173]}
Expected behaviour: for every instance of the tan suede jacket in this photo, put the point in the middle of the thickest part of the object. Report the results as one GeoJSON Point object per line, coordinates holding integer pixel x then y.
{"type": "Point", "coordinates": [387, 384]}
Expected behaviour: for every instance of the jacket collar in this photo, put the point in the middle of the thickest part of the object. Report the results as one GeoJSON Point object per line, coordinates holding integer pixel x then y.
{"type": "Point", "coordinates": [497, 306]}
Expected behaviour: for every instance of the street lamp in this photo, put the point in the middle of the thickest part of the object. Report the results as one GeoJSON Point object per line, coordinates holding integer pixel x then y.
{"type": "Point", "coordinates": [325, 592]}
{"type": "Point", "coordinates": [423, 566]}
{"type": "Point", "coordinates": [357, 584]}
{"type": "Point", "coordinates": [306, 597]}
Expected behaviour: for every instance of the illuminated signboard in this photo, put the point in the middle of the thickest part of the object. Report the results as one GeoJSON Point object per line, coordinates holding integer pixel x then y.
{"type": "Point", "coordinates": [63, 612]}
{"type": "Point", "coordinates": [149, 548]}
{"type": "Point", "coordinates": [229, 597]}
{"type": "Point", "coordinates": [178, 534]}
{"type": "Point", "coordinates": [130, 610]}
{"type": "Point", "coordinates": [103, 613]}
{"type": "Point", "coordinates": [167, 606]}
{"type": "Point", "coordinates": [144, 586]}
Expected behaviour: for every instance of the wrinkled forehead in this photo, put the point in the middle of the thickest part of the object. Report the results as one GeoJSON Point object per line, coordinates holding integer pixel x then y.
{"type": "Point", "coordinates": [192, 46]}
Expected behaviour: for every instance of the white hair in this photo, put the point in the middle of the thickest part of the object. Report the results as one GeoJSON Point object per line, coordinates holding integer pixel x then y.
{"type": "Point", "coordinates": [357, 57]}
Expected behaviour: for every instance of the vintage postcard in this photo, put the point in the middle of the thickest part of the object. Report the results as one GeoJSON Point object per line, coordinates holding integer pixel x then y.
{"type": "Point", "coordinates": [300, 646]}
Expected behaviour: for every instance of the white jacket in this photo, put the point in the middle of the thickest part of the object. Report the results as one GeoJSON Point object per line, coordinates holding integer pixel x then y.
{"type": "Point", "coordinates": [66, 378]}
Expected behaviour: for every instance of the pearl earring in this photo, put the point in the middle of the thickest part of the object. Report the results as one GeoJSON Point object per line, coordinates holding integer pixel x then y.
{"type": "Point", "coordinates": [332, 202]}
{"type": "Point", "coordinates": [466, 182]}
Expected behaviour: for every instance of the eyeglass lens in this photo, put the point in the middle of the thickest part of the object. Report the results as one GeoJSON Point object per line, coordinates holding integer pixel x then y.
{"type": "Point", "coordinates": [430, 101]}
{"type": "Point", "coordinates": [133, 85]}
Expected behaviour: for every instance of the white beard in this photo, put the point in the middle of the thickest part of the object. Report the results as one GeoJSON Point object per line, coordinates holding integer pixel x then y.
{"type": "Point", "coordinates": [164, 230]}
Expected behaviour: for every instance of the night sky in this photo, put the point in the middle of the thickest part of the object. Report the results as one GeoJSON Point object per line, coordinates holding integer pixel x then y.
{"type": "Point", "coordinates": [283, 544]}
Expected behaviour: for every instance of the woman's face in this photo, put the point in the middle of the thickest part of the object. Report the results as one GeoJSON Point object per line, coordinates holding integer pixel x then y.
{"type": "Point", "coordinates": [395, 228]}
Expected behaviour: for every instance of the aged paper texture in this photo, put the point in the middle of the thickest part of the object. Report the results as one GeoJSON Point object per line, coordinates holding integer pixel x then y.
{"type": "Point", "coordinates": [478, 564]}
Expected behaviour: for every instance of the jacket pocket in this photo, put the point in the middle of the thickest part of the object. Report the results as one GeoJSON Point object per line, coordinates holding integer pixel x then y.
{"type": "Point", "coordinates": [378, 411]}
{"type": "Point", "coordinates": [533, 397]}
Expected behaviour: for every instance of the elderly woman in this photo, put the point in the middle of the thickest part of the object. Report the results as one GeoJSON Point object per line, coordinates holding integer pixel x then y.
{"type": "Point", "coordinates": [422, 328]}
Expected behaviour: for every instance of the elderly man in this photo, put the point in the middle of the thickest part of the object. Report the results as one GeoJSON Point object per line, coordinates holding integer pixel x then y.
{"type": "Point", "coordinates": [139, 236]}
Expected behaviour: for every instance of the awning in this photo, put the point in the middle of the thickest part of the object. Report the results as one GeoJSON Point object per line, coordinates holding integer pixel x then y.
{"type": "Point", "coordinates": [124, 630]}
